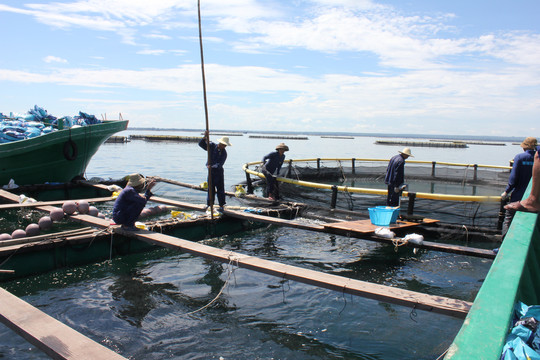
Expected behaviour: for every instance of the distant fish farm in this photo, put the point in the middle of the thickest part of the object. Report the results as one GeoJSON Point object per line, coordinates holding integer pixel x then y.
{"type": "Point", "coordinates": [279, 137]}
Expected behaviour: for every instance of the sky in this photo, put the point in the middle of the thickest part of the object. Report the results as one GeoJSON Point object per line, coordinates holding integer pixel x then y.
{"type": "Point", "coordinates": [457, 67]}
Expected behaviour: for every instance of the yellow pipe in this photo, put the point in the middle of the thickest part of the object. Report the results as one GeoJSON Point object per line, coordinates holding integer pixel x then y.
{"type": "Point", "coordinates": [430, 196]}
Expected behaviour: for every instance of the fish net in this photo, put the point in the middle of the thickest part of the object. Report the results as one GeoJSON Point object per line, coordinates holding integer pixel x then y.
{"type": "Point", "coordinates": [475, 188]}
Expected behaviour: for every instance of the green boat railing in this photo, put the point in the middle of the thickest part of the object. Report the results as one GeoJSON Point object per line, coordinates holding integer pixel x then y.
{"type": "Point", "coordinates": [513, 276]}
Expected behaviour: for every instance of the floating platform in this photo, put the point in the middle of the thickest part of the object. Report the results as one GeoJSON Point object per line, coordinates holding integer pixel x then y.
{"type": "Point", "coordinates": [166, 138]}
{"type": "Point", "coordinates": [455, 144]}
{"type": "Point", "coordinates": [279, 137]}
{"type": "Point", "coordinates": [366, 227]}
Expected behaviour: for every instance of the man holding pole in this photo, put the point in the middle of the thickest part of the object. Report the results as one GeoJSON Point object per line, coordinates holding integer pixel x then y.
{"type": "Point", "coordinates": [216, 159]}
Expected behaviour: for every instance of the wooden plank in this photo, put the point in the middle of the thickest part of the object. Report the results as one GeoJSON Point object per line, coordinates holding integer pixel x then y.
{"type": "Point", "coordinates": [438, 304]}
{"type": "Point", "coordinates": [56, 202]}
{"type": "Point", "coordinates": [57, 340]}
{"type": "Point", "coordinates": [348, 230]}
{"type": "Point", "coordinates": [366, 227]}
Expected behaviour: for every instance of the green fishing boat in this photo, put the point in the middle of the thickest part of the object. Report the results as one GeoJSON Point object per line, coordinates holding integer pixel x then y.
{"type": "Point", "coordinates": [59, 156]}
{"type": "Point", "coordinates": [513, 277]}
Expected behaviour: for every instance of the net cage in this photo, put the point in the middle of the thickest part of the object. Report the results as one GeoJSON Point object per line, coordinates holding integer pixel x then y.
{"type": "Point", "coordinates": [467, 194]}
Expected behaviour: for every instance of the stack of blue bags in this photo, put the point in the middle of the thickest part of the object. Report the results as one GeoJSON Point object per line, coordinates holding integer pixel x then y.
{"type": "Point", "coordinates": [523, 342]}
{"type": "Point", "coordinates": [38, 122]}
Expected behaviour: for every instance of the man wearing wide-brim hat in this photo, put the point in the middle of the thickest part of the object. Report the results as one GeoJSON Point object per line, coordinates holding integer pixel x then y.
{"type": "Point", "coordinates": [395, 176]}
{"type": "Point", "coordinates": [218, 156]}
{"type": "Point", "coordinates": [519, 178]}
{"type": "Point", "coordinates": [271, 164]}
{"type": "Point", "coordinates": [129, 203]}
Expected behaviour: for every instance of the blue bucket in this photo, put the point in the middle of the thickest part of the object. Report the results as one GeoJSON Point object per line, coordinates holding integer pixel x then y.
{"type": "Point", "coordinates": [383, 215]}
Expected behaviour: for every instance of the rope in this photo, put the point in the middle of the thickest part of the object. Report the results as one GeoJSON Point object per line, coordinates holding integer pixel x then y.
{"type": "Point", "coordinates": [398, 242]}
{"type": "Point", "coordinates": [230, 272]}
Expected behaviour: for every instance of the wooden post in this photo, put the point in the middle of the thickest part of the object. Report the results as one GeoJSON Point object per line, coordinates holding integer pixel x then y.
{"type": "Point", "coordinates": [334, 197]}
{"type": "Point", "coordinates": [410, 207]}
{"type": "Point", "coordinates": [502, 214]}
{"type": "Point", "coordinates": [289, 169]}
{"type": "Point", "coordinates": [249, 183]}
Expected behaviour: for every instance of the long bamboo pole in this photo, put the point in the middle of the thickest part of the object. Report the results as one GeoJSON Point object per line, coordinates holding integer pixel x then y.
{"type": "Point", "coordinates": [207, 133]}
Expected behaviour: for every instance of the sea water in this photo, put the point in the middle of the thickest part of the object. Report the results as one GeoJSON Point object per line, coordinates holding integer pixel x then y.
{"type": "Point", "coordinates": [168, 305]}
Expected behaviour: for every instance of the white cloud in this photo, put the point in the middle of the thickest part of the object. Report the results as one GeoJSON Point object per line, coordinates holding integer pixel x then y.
{"type": "Point", "coordinates": [54, 59]}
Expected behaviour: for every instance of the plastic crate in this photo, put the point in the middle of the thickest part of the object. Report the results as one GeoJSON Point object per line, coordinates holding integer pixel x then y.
{"type": "Point", "coordinates": [383, 215]}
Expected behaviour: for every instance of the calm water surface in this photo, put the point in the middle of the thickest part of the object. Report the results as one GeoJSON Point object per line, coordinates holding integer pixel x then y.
{"type": "Point", "coordinates": [145, 305]}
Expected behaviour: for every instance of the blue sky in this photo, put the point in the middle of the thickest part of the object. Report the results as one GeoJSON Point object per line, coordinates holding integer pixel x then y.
{"type": "Point", "coordinates": [409, 66]}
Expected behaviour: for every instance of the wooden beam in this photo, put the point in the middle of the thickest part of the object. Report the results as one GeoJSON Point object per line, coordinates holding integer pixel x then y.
{"type": "Point", "coordinates": [438, 304]}
{"type": "Point", "coordinates": [56, 202]}
{"type": "Point", "coordinates": [57, 340]}
{"type": "Point", "coordinates": [344, 230]}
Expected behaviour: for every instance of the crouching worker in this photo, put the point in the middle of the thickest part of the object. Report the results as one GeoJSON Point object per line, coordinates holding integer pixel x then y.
{"type": "Point", "coordinates": [130, 202]}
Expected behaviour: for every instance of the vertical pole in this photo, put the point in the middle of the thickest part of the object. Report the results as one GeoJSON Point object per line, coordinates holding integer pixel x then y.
{"type": "Point", "coordinates": [207, 134]}
{"type": "Point", "coordinates": [475, 172]}
{"type": "Point", "coordinates": [502, 214]}
{"type": "Point", "coordinates": [353, 169]}
{"type": "Point", "coordinates": [289, 169]}
{"type": "Point", "coordinates": [410, 207]}
{"type": "Point", "coordinates": [248, 182]}
{"type": "Point", "coordinates": [433, 168]}
{"type": "Point", "coordinates": [334, 197]}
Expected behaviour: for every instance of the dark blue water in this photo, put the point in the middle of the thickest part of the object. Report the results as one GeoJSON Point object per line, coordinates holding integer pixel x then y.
{"type": "Point", "coordinates": [145, 306]}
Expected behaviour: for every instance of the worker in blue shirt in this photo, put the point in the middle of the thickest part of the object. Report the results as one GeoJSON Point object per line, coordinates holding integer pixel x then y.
{"type": "Point", "coordinates": [519, 178]}
{"type": "Point", "coordinates": [218, 156]}
{"type": "Point", "coordinates": [129, 203]}
{"type": "Point", "coordinates": [395, 176]}
{"type": "Point", "coordinates": [271, 164]}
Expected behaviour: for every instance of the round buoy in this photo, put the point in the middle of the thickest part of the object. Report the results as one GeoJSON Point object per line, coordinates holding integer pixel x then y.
{"type": "Point", "coordinates": [45, 223]}
{"type": "Point", "coordinates": [69, 207]}
{"type": "Point", "coordinates": [5, 236]}
{"type": "Point", "coordinates": [101, 216]}
{"type": "Point", "coordinates": [145, 213]}
{"type": "Point", "coordinates": [83, 207]}
{"type": "Point", "coordinates": [93, 211]}
{"type": "Point", "coordinates": [56, 214]}
{"type": "Point", "coordinates": [17, 234]}
{"type": "Point", "coordinates": [32, 230]}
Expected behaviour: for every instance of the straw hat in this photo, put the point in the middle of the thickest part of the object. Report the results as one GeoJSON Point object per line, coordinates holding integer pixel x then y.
{"type": "Point", "coordinates": [282, 146]}
{"type": "Point", "coordinates": [225, 141]}
{"type": "Point", "coordinates": [406, 151]}
{"type": "Point", "coordinates": [136, 180]}
{"type": "Point", "coordinates": [529, 143]}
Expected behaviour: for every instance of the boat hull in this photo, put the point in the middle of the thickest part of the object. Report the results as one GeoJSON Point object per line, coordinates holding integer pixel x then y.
{"type": "Point", "coordinates": [60, 156]}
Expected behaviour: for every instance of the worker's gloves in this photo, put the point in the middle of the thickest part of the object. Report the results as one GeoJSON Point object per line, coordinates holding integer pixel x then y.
{"type": "Point", "coordinates": [504, 196]}
{"type": "Point", "coordinates": [396, 189]}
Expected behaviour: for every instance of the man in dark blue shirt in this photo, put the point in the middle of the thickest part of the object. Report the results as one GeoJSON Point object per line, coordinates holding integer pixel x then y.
{"type": "Point", "coordinates": [519, 178]}
{"type": "Point", "coordinates": [129, 204]}
{"type": "Point", "coordinates": [218, 156]}
{"type": "Point", "coordinates": [395, 176]}
{"type": "Point", "coordinates": [272, 165]}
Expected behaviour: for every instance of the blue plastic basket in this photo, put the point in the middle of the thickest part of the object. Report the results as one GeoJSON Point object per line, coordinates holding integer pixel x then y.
{"type": "Point", "coordinates": [383, 215]}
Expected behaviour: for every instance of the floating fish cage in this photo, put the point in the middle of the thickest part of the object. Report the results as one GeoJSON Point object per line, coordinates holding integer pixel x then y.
{"type": "Point", "coordinates": [465, 194]}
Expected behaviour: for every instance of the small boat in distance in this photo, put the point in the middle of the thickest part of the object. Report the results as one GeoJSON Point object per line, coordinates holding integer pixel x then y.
{"type": "Point", "coordinates": [58, 156]}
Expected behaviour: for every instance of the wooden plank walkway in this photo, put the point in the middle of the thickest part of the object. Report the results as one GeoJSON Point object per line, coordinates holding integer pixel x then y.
{"type": "Point", "coordinates": [57, 340]}
{"type": "Point", "coordinates": [366, 227]}
{"type": "Point", "coordinates": [364, 231]}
